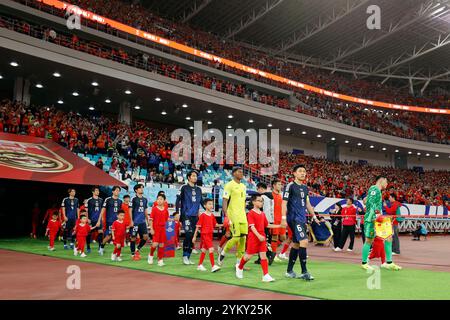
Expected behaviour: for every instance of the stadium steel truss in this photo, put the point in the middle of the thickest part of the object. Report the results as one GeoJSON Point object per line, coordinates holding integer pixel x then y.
{"type": "Point", "coordinates": [333, 35]}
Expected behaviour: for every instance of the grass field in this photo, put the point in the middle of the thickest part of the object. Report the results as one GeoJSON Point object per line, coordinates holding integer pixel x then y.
{"type": "Point", "coordinates": [333, 280]}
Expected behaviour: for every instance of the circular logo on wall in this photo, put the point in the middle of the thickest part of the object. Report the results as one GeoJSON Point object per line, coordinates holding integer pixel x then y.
{"type": "Point", "coordinates": [33, 162]}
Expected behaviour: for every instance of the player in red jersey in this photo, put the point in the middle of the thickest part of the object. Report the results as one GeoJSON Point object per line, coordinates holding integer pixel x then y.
{"type": "Point", "coordinates": [278, 234]}
{"type": "Point", "coordinates": [158, 219]}
{"type": "Point", "coordinates": [176, 219]}
{"type": "Point", "coordinates": [226, 236]}
{"type": "Point", "coordinates": [118, 232]}
{"type": "Point", "coordinates": [126, 218]}
{"type": "Point", "coordinates": [206, 224]}
{"type": "Point", "coordinates": [82, 229]}
{"type": "Point", "coordinates": [53, 226]}
{"type": "Point", "coordinates": [256, 239]}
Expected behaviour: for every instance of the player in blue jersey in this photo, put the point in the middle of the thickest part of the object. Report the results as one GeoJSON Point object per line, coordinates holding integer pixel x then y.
{"type": "Point", "coordinates": [139, 221]}
{"type": "Point", "coordinates": [71, 210]}
{"type": "Point", "coordinates": [111, 207]}
{"type": "Point", "coordinates": [188, 204]}
{"type": "Point", "coordinates": [94, 207]}
{"type": "Point", "coordinates": [295, 209]}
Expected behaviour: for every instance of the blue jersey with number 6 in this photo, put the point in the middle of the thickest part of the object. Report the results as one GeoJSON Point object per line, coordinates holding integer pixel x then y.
{"type": "Point", "coordinates": [296, 196]}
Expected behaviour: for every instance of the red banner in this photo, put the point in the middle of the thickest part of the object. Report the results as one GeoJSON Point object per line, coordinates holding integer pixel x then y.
{"type": "Point", "coordinates": [181, 47]}
{"type": "Point", "coordinates": [37, 159]}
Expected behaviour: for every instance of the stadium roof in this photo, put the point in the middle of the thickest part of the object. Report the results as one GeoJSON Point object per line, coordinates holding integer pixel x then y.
{"type": "Point", "coordinates": [172, 108]}
{"type": "Point", "coordinates": [413, 42]}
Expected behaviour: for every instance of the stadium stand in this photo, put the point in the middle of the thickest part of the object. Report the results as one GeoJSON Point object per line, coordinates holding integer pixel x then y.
{"type": "Point", "coordinates": [142, 153]}
{"type": "Point", "coordinates": [140, 17]}
{"type": "Point", "coordinates": [410, 125]}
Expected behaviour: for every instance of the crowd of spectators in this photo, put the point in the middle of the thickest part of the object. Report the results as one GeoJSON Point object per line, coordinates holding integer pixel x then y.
{"type": "Point", "coordinates": [143, 61]}
{"type": "Point", "coordinates": [133, 14]}
{"type": "Point", "coordinates": [352, 179]}
{"type": "Point", "coordinates": [411, 125]}
{"type": "Point", "coordinates": [149, 148]}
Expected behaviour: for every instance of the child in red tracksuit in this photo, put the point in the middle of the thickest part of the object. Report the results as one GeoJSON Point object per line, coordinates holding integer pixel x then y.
{"type": "Point", "coordinates": [118, 231]}
{"type": "Point", "coordinates": [256, 239]}
{"type": "Point", "coordinates": [206, 224]}
{"type": "Point", "coordinates": [158, 220]}
{"type": "Point", "coordinates": [82, 229]}
{"type": "Point", "coordinates": [53, 227]}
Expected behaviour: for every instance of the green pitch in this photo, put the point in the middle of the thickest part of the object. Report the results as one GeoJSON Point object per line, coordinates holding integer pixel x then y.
{"type": "Point", "coordinates": [333, 280]}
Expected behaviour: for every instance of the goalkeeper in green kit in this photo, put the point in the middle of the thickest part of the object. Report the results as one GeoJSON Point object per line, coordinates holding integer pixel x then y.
{"type": "Point", "coordinates": [374, 207]}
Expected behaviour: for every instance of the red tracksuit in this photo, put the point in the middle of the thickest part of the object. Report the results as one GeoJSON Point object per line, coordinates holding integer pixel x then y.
{"type": "Point", "coordinates": [120, 230]}
{"type": "Point", "coordinates": [177, 233]}
{"type": "Point", "coordinates": [53, 227]}
{"type": "Point", "coordinates": [81, 232]}
{"type": "Point", "coordinates": [159, 218]}
{"type": "Point", "coordinates": [206, 223]}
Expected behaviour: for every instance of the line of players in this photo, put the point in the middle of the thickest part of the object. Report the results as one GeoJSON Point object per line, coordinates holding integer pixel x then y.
{"type": "Point", "coordinates": [245, 231]}
{"type": "Point", "coordinates": [112, 219]}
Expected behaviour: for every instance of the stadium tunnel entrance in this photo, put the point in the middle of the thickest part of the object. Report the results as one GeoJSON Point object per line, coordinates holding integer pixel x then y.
{"type": "Point", "coordinates": [19, 198]}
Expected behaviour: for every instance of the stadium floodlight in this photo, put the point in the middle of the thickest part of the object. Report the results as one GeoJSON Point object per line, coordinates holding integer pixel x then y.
{"type": "Point", "coordinates": [56, 74]}
{"type": "Point", "coordinates": [14, 64]}
{"type": "Point", "coordinates": [384, 149]}
{"type": "Point", "coordinates": [39, 86]}
{"type": "Point", "coordinates": [303, 132]}
{"type": "Point", "coordinates": [60, 101]}
{"type": "Point", "coordinates": [427, 154]}
{"type": "Point", "coordinates": [409, 152]}
{"type": "Point", "coordinates": [230, 116]}
{"type": "Point", "coordinates": [91, 108]}
{"type": "Point", "coordinates": [359, 144]}
{"type": "Point", "coordinates": [209, 111]}
{"type": "Point", "coordinates": [209, 122]}
{"type": "Point", "coordinates": [396, 150]}
{"type": "Point", "coordinates": [188, 118]}
{"type": "Point", "coordinates": [288, 129]}
{"type": "Point", "coordinates": [157, 99]}
{"type": "Point", "coordinates": [163, 113]}
{"type": "Point", "coordinates": [269, 125]}
{"type": "Point", "coordinates": [108, 101]}
{"type": "Point", "coordinates": [184, 105]}
{"type": "Point", "coordinates": [319, 136]}
{"type": "Point", "coordinates": [95, 84]}
{"type": "Point", "coordinates": [192, 128]}
{"type": "Point", "coordinates": [127, 92]}
{"type": "Point", "coordinates": [371, 147]}
{"type": "Point", "coordinates": [436, 155]}
{"type": "Point", "coordinates": [333, 139]}
{"type": "Point", "coordinates": [250, 121]}
{"type": "Point", "coordinates": [1, 77]}
{"type": "Point", "coordinates": [75, 94]}
{"type": "Point", "coordinates": [418, 153]}
{"type": "Point", "coordinates": [229, 127]}
{"type": "Point", "coordinates": [137, 107]}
